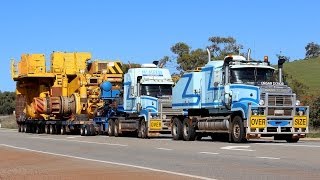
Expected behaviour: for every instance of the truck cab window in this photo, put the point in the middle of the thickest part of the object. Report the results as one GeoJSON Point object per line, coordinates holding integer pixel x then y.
{"type": "Point", "coordinates": [156, 90]}
{"type": "Point", "coordinates": [251, 75]}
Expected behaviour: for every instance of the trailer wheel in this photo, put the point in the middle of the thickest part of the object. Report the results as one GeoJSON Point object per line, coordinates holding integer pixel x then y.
{"type": "Point", "coordinates": [38, 130]}
{"type": "Point", "coordinates": [176, 129]}
{"type": "Point", "coordinates": [63, 129]}
{"type": "Point", "coordinates": [189, 133]}
{"type": "Point", "coordinates": [52, 129]}
{"type": "Point", "coordinates": [238, 130]}
{"type": "Point", "coordinates": [27, 128]}
{"type": "Point", "coordinates": [23, 128]}
{"type": "Point", "coordinates": [47, 129]}
{"type": "Point", "coordinates": [87, 130]}
{"type": "Point", "coordinates": [116, 128]}
{"type": "Point", "coordinates": [292, 139]}
{"type": "Point", "coordinates": [111, 127]}
{"type": "Point", "coordinates": [143, 129]}
{"type": "Point", "coordinates": [92, 130]}
{"type": "Point", "coordinates": [82, 129]}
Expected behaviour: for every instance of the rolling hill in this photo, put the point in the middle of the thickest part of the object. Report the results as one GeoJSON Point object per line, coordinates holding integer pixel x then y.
{"type": "Point", "coordinates": [306, 72]}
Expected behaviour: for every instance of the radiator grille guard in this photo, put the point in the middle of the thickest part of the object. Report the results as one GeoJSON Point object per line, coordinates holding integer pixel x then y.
{"type": "Point", "coordinates": [280, 113]}
{"type": "Point", "coordinates": [165, 113]}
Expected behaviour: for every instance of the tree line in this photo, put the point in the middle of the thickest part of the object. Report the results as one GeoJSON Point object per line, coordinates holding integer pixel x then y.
{"type": "Point", "coordinates": [7, 102]}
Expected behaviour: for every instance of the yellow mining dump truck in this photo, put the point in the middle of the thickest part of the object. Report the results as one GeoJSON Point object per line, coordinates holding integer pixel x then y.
{"type": "Point", "coordinates": [65, 97]}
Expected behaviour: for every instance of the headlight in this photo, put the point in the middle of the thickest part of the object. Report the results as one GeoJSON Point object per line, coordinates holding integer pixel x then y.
{"type": "Point", "coordinates": [300, 113]}
{"type": "Point", "coordinates": [255, 112]}
{"type": "Point", "coordinates": [261, 103]}
{"type": "Point", "coordinates": [297, 103]}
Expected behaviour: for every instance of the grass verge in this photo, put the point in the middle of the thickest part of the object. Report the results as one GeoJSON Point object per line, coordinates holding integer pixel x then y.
{"type": "Point", "coordinates": [8, 122]}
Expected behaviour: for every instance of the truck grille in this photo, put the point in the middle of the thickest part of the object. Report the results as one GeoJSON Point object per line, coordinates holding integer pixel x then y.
{"type": "Point", "coordinates": [277, 103]}
{"type": "Point", "coordinates": [279, 100]}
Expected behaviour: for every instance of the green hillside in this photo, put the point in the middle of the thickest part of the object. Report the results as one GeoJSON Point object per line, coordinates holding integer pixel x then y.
{"type": "Point", "coordinates": [306, 72]}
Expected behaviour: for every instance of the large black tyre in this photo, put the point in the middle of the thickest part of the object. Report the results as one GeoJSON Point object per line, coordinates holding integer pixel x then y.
{"type": "Point", "coordinates": [47, 129]}
{"type": "Point", "coordinates": [19, 128]}
{"type": "Point", "coordinates": [63, 130]}
{"type": "Point", "coordinates": [28, 128]}
{"type": "Point", "coordinates": [82, 129]}
{"type": "Point", "coordinates": [87, 130]}
{"type": "Point", "coordinates": [292, 139]}
{"type": "Point", "coordinates": [238, 131]}
{"type": "Point", "coordinates": [92, 130]}
{"type": "Point", "coordinates": [189, 133]}
{"type": "Point", "coordinates": [111, 127]}
{"type": "Point", "coordinates": [38, 129]}
{"type": "Point", "coordinates": [116, 128]}
{"type": "Point", "coordinates": [143, 130]}
{"type": "Point", "coordinates": [23, 128]}
{"type": "Point", "coordinates": [52, 129]}
{"type": "Point", "coordinates": [176, 129]}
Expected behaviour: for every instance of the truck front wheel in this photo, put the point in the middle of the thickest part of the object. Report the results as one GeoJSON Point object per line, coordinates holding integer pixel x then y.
{"type": "Point", "coordinates": [292, 139]}
{"type": "Point", "coordinates": [176, 129]}
{"type": "Point", "coordinates": [143, 129]}
{"type": "Point", "coordinates": [238, 130]}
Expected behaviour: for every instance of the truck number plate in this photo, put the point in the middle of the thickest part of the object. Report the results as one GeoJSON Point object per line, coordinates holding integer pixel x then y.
{"type": "Point", "coordinates": [155, 125]}
{"type": "Point", "coordinates": [258, 121]}
{"type": "Point", "coordinates": [300, 122]}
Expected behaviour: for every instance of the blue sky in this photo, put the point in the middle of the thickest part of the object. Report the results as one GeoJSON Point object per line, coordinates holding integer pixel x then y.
{"type": "Point", "coordinates": [142, 31]}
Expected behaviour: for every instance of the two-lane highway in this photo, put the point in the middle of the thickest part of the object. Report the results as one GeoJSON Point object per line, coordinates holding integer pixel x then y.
{"type": "Point", "coordinates": [198, 159]}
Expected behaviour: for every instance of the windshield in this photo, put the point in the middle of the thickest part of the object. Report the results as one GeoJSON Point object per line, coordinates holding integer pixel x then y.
{"type": "Point", "coordinates": [251, 74]}
{"type": "Point", "coordinates": [156, 90]}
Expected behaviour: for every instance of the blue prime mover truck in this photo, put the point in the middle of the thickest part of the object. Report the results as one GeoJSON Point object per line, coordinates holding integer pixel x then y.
{"type": "Point", "coordinates": [239, 98]}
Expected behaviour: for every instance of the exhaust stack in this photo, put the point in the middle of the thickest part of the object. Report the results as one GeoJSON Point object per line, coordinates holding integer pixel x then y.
{"type": "Point", "coordinates": [281, 61]}
{"type": "Point", "coordinates": [209, 55]}
{"type": "Point", "coordinates": [248, 54]}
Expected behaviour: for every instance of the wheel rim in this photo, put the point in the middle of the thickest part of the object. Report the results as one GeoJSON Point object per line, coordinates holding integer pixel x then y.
{"type": "Point", "coordinates": [85, 131]}
{"type": "Point", "coordinates": [62, 130]}
{"type": "Point", "coordinates": [51, 129]}
{"type": "Point", "coordinates": [109, 128]}
{"type": "Point", "coordinates": [175, 131]}
{"type": "Point", "coordinates": [143, 129]}
{"type": "Point", "coordinates": [185, 129]}
{"type": "Point", "coordinates": [115, 129]}
{"type": "Point", "coordinates": [81, 130]}
{"type": "Point", "coordinates": [236, 131]}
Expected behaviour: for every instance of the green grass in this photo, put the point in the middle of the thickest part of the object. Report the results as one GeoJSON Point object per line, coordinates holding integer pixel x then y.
{"type": "Point", "coordinates": [306, 72]}
{"type": "Point", "coordinates": [314, 133]}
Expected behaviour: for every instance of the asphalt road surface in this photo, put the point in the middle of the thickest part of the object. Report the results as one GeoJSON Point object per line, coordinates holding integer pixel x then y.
{"type": "Point", "coordinates": [168, 159]}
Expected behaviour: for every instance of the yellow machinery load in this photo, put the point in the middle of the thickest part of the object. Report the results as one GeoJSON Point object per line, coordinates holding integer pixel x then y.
{"type": "Point", "coordinates": [63, 97]}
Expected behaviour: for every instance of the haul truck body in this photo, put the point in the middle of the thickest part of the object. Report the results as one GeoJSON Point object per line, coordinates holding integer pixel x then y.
{"type": "Point", "coordinates": [240, 98]}
{"type": "Point", "coordinates": [64, 98]}
{"type": "Point", "coordinates": [143, 107]}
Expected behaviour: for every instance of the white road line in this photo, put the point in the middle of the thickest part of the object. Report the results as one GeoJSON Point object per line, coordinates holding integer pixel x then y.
{"type": "Point", "coordinates": [237, 148]}
{"type": "Point", "coordinates": [267, 157]}
{"type": "Point", "coordinates": [166, 149]}
{"type": "Point", "coordinates": [290, 145]}
{"type": "Point", "coordinates": [89, 142]}
{"type": "Point", "coordinates": [110, 162]}
{"type": "Point", "coordinates": [208, 153]}
{"type": "Point", "coordinates": [9, 130]}
{"type": "Point", "coordinates": [72, 137]}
